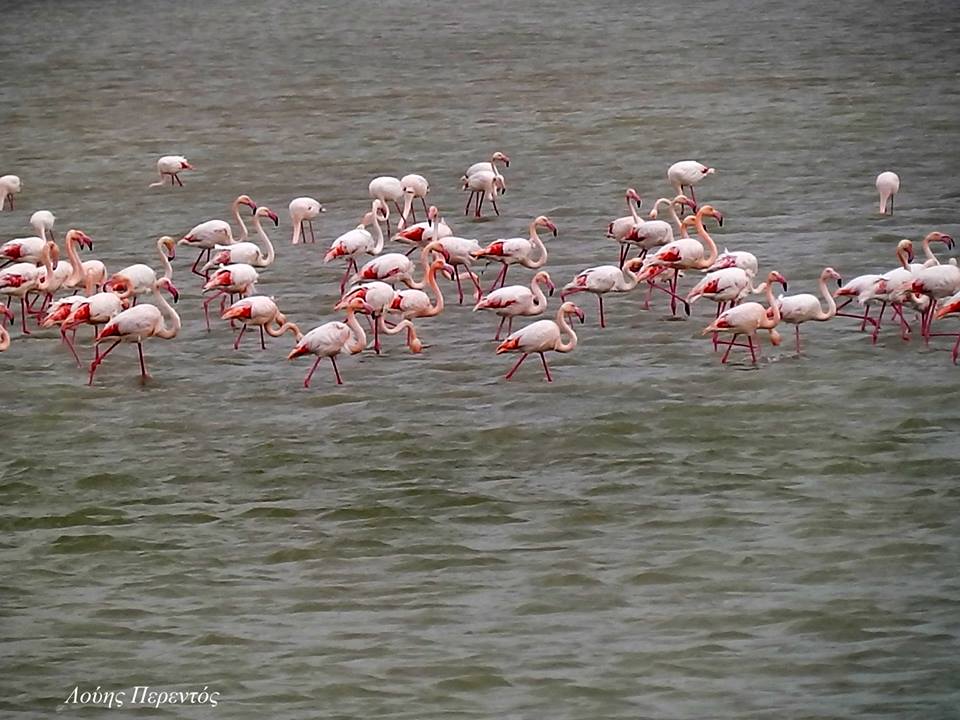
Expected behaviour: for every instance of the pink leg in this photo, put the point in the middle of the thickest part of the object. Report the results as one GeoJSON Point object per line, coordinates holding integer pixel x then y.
{"type": "Point", "coordinates": [503, 319]}
{"type": "Point", "coordinates": [23, 315]}
{"type": "Point", "coordinates": [510, 326]}
{"type": "Point", "coordinates": [206, 307]}
{"type": "Point", "coordinates": [306, 380]}
{"type": "Point", "coordinates": [236, 343]}
{"type": "Point", "coordinates": [99, 359]}
{"type": "Point", "coordinates": [69, 343]}
{"type": "Point", "coordinates": [144, 376]}
{"type": "Point", "coordinates": [500, 275]}
{"type": "Point", "coordinates": [336, 372]}
{"type": "Point", "coordinates": [876, 329]}
{"type": "Point", "coordinates": [459, 287]}
{"type": "Point", "coordinates": [376, 334]}
{"type": "Point", "coordinates": [956, 349]}
{"type": "Point", "coordinates": [546, 370]}
{"type": "Point", "coordinates": [753, 354]}
{"type": "Point", "coordinates": [729, 348]}
{"type": "Point", "coordinates": [517, 365]}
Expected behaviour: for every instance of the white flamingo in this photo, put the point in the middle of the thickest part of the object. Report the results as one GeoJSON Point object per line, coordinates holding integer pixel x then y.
{"type": "Point", "coordinates": [10, 185]}
{"type": "Point", "coordinates": [543, 336]}
{"type": "Point", "coordinates": [332, 339]}
{"type": "Point", "coordinates": [888, 185]}
{"type": "Point", "coordinates": [359, 241]}
{"type": "Point", "coordinates": [247, 252]}
{"type": "Point", "coordinates": [172, 166]}
{"type": "Point", "coordinates": [517, 300]}
{"type": "Point", "coordinates": [604, 279]}
{"type": "Point", "coordinates": [688, 173]}
{"type": "Point", "coordinates": [303, 211]}
{"type": "Point", "coordinates": [208, 234]}
{"type": "Point", "coordinates": [529, 252]}
{"type": "Point", "coordinates": [805, 307]}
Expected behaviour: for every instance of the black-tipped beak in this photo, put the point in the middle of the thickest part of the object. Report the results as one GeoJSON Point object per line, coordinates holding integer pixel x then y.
{"type": "Point", "coordinates": [554, 232]}
{"type": "Point", "coordinates": [784, 283]}
{"type": "Point", "coordinates": [686, 308]}
{"type": "Point", "coordinates": [551, 291]}
{"type": "Point", "coordinates": [839, 282]}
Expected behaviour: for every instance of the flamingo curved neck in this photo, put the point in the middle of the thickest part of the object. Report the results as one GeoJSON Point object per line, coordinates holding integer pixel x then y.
{"type": "Point", "coordinates": [629, 280]}
{"type": "Point", "coordinates": [378, 234]}
{"type": "Point", "coordinates": [770, 322]}
{"type": "Point", "coordinates": [831, 304]}
{"type": "Point", "coordinates": [539, 297]}
{"type": "Point", "coordinates": [437, 306]}
{"type": "Point", "coordinates": [283, 326]}
{"type": "Point", "coordinates": [359, 340]}
{"type": "Point", "coordinates": [263, 260]}
{"type": "Point", "coordinates": [561, 346]}
{"type": "Point", "coordinates": [167, 331]}
{"type": "Point", "coordinates": [407, 207]}
{"type": "Point", "coordinates": [76, 265]}
{"type": "Point", "coordinates": [46, 282]}
{"type": "Point", "coordinates": [928, 253]}
{"type": "Point", "coordinates": [632, 207]}
{"type": "Point", "coordinates": [243, 226]}
{"type": "Point", "coordinates": [706, 240]}
{"type": "Point", "coordinates": [167, 268]}
{"type": "Point", "coordinates": [538, 245]}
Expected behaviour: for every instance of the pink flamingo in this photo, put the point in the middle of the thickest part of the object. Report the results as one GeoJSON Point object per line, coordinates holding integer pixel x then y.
{"type": "Point", "coordinates": [433, 228]}
{"type": "Point", "coordinates": [138, 324]}
{"type": "Point", "coordinates": [387, 189]}
{"type": "Point", "coordinates": [359, 241]}
{"type": "Point", "coordinates": [247, 252]}
{"type": "Point", "coordinates": [542, 336]}
{"type": "Point", "coordinates": [333, 338]}
{"type": "Point", "coordinates": [622, 228]}
{"type": "Point", "coordinates": [95, 310]}
{"type": "Point", "coordinates": [10, 185]}
{"type": "Point", "coordinates": [530, 253]}
{"type": "Point", "coordinates": [603, 279]}
{"type": "Point", "coordinates": [804, 307]}
{"type": "Point", "coordinates": [59, 311]}
{"type": "Point", "coordinates": [16, 281]}
{"type": "Point", "coordinates": [484, 184]}
{"type": "Point", "coordinates": [747, 318]}
{"type": "Point", "coordinates": [28, 249]}
{"type": "Point", "coordinates": [490, 166]}
{"type": "Point", "coordinates": [893, 286]}
{"type": "Point", "coordinates": [936, 282]}
{"type": "Point", "coordinates": [172, 166]}
{"type": "Point", "coordinates": [213, 232]}
{"type": "Point", "coordinates": [687, 173]}
{"type": "Point", "coordinates": [513, 300]}
{"type": "Point", "coordinates": [414, 186]}
{"type": "Point", "coordinates": [950, 306]}
{"type": "Point", "coordinates": [139, 279]}
{"type": "Point", "coordinates": [260, 311]}
{"type": "Point", "coordinates": [888, 185]}
{"type": "Point", "coordinates": [414, 302]}
{"type": "Point", "coordinates": [303, 211]}
{"type": "Point", "coordinates": [89, 274]}
{"type": "Point", "coordinates": [728, 285]}
{"type": "Point", "coordinates": [229, 279]}
{"type": "Point", "coordinates": [377, 297]}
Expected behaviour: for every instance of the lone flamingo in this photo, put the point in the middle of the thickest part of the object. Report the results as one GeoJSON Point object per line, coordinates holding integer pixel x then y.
{"type": "Point", "coordinates": [688, 173]}
{"type": "Point", "coordinates": [484, 184]}
{"type": "Point", "coordinates": [138, 324]}
{"type": "Point", "coordinates": [10, 185]}
{"type": "Point", "coordinates": [888, 185]}
{"type": "Point", "coordinates": [542, 336]}
{"type": "Point", "coordinates": [387, 189]}
{"type": "Point", "coordinates": [303, 211]}
{"type": "Point", "coordinates": [172, 166]}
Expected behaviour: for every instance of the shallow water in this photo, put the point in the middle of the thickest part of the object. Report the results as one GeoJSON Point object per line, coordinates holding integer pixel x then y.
{"type": "Point", "coordinates": [652, 535]}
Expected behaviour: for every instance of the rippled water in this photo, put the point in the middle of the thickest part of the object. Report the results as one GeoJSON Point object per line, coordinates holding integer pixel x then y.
{"type": "Point", "coordinates": [652, 535]}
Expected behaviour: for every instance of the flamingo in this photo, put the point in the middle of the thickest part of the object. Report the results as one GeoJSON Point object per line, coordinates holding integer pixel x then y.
{"type": "Point", "coordinates": [171, 165]}
{"type": "Point", "coordinates": [387, 189]}
{"type": "Point", "coordinates": [138, 324]}
{"type": "Point", "coordinates": [16, 281]}
{"type": "Point", "coordinates": [5, 314]}
{"type": "Point", "coordinates": [747, 318]}
{"type": "Point", "coordinates": [28, 249]}
{"type": "Point", "coordinates": [212, 232]}
{"type": "Point", "coordinates": [260, 311]}
{"type": "Point", "coordinates": [513, 251]}
{"type": "Point", "coordinates": [247, 252]}
{"type": "Point", "coordinates": [950, 306]}
{"type": "Point", "coordinates": [229, 279]}
{"type": "Point", "coordinates": [687, 173]}
{"type": "Point", "coordinates": [59, 311]}
{"type": "Point", "coordinates": [727, 285]}
{"type": "Point", "coordinates": [140, 279]}
{"type": "Point", "coordinates": [888, 185]}
{"type": "Point", "coordinates": [95, 310]}
{"type": "Point", "coordinates": [684, 254]}
{"type": "Point", "coordinates": [377, 297]}
{"type": "Point", "coordinates": [513, 300]}
{"type": "Point", "coordinates": [858, 288]}
{"type": "Point", "coordinates": [333, 338]}
{"type": "Point", "coordinates": [10, 185]}
{"type": "Point", "coordinates": [89, 274]}
{"type": "Point", "coordinates": [490, 166]}
{"type": "Point", "coordinates": [53, 275]}
{"type": "Point", "coordinates": [893, 286]}
{"type": "Point", "coordinates": [42, 221]}
{"type": "Point", "coordinates": [359, 241]}
{"type": "Point", "coordinates": [303, 211]}
{"type": "Point", "coordinates": [742, 259]}
{"type": "Point", "coordinates": [621, 228]}
{"type": "Point", "coordinates": [797, 309]}
{"type": "Point", "coordinates": [602, 279]}
{"type": "Point", "coordinates": [414, 302]}
{"type": "Point", "coordinates": [414, 186]}
{"type": "Point", "coordinates": [483, 184]}
{"type": "Point", "coordinates": [936, 282]}
{"type": "Point", "coordinates": [433, 228]}
{"type": "Point", "coordinates": [395, 267]}
{"type": "Point", "coordinates": [652, 233]}
{"type": "Point", "coordinates": [542, 336]}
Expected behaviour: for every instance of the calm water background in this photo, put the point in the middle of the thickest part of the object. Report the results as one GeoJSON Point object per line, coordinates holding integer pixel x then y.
{"type": "Point", "coordinates": [652, 535]}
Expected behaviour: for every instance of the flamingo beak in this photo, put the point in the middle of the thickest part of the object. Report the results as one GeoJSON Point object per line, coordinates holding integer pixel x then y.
{"type": "Point", "coordinates": [273, 216]}
{"type": "Point", "coordinates": [552, 287]}
{"type": "Point", "coordinates": [720, 219]}
{"type": "Point", "coordinates": [367, 308]}
{"type": "Point", "coordinates": [949, 241]}
{"type": "Point", "coordinates": [579, 314]}
{"type": "Point", "coordinates": [449, 271]}
{"type": "Point", "coordinates": [174, 293]}
{"type": "Point", "coordinates": [186, 166]}
{"type": "Point", "coordinates": [839, 281]}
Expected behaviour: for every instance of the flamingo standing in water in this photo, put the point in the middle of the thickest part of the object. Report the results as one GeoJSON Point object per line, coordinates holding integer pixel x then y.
{"type": "Point", "coordinates": [172, 166]}
{"type": "Point", "coordinates": [603, 279]}
{"type": "Point", "coordinates": [490, 166]}
{"type": "Point", "coordinates": [42, 221]}
{"type": "Point", "coordinates": [484, 184]}
{"type": "Point", "coordinates": [687, 173]}
{"type": "Point", "coordinates": [655, 232]}
{"type": "Point", "coordinates": [10, 185]}
{"type": "Point", "coordinates": [747, 318]}
{"type": "Point", "coordinates": [377, 297]}
{"type": "Point", "coordinates": [95, 310]}
{"type": "Point", "coordinates": [333, 338]}
{"type": "Point", "coordinates": [936, 282]}
{"type": "Point", "coordinates": [804, 307]}
{"type": "Point", "coordinates": [27, 249]}
{"type": "Point", "coordinates": [433, 228]}
{"type": "Point", "coordinates": [53, 275]}
{"type": "Point", "coordinates": [359, 241]}
{"type": "Point", "coordinates": [387, 189]}
{"type": "Point", "coordinates": [950, 306]}
{"type": "Point", "coordinates": [140, 279]}
{"type": "Point", "coordinates": [542, 336]}
{"type": "Point", "coordinates": [622, 228]}
{"type": "Point", "coordinates": [57, 313]}
{"type": "Point", "coordinates": [88, 274]}
{"type": "Point", "coordinates": [247, 252]}
{"type": "Point", "coordinates": [16, 281]}
{"type": "Point", "coordinates": [396, 267]}
{"type": "Point", "coordinates": [727, 285]}
{"type": "Point", "coordinates": [138, 324]}
{"type": "Point", "coordinates": [513, 300]}
{"type": "Point", "coordinates": [213, 232]}
{"type": "Point", "coordinates": [260, 311]}
{"type": "Point", "coordinates": [303, 211]}
{"type": "Point", "coordinates": [684, 254]}
{"type": "Point", "coordinates": [414, 186]}
{"type": "Point", "coordinates": [888, 185]}
{"type": "Point", "coordinates": [530, 253]}
{"type": "Point", "coordinates": [5, 314]}
{"type": "Point", "coordinates": [229, 280]}
{"type": "Point", "coordinates": [893, 286]}
{"type": "Point", "coordinates": [414, 302]}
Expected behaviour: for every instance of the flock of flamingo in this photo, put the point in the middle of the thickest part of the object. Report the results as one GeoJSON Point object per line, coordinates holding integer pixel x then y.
{"type": "Point", "coordinates": [229, 267]}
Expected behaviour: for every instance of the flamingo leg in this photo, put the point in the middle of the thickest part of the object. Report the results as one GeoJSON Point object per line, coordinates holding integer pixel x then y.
{"type": "Point", "coordinates": [144, 375]}
{"type": "Point", "coordinates": [306, 380]}
{"type": "Point", "coordinates": [494, 201]}
{"type": "Point", "coordinates": [466, 208]}
{"type": "Point", "coordinates": [479, 204]}
{"type": "Point", "coordinates": [499, 278]}
{"type": "Point", "coordinates": [956, 350]}
{"type": "Point", "coordinates": [517, 365]}
{"type": "Point", "coordinates": [23, 315]}
{"type": "Point", "coordinates": [263, 340]}
{"type": "Point", "coordinates": [753, 354]}
{"type": "Point", "coordinates": [206, 307]}
{"type": "Point", "coordinates": [546, 370]}
{"type": "Point", "coordinates": [196, 264]}
{"type": "Point", "coordinates": [876, 329]}
{"type": "Point", "coordinates": [624, 248]}
{"type": "Point", "coordinates": [729, 348]}
{"type": "Point", "coordinates": [423, 201]}
{"type": "Point", "coordinates": [376, 334]}
{"type": "Point", "coordinates": [69, 343]}
{"type": "Point", "coordinates": [797, 330]}
{"type": "Point", "coordinates": [99, 359]}
{"type": "Point", "coordinates": [236, 343]}
{"type": "Point", "coordinates": [459, 286]}
{"type": "Point", "coordinates": [603, 322]}
{"type": "Point", "coordinates": [476, 284]}
{"type": "Point", "coordinates": [674, 297]}
{"type": "Point", "coordinates": [179, 181]}
{"type": "Point", "coordinates": [503, 319]}
{"type": "Point", "coordinates": [336, 371]}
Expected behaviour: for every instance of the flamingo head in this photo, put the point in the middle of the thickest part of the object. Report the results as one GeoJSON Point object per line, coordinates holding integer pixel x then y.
{"type": "Point", "coordinates": [775, 338]}
{"type": "Point", "coordinates": [437, 247]}
{"type": "Point", "coordinates": [433, 214]}
{"type": "Point", "coordinates": [500, 157]}
{"type": "Point", "coordinates": [682, 200]}
{"type": "Point", "coordinates": [381, 211]}
{"type": "Point", "coordinates": [635, 196]}
{"type": "Point", "coordinates": [689, 222]}
{"type": "Point", "coordinates": [634, 265]}
{"type": "Point", "coordinates": [499, 184]}
{"type": "Point", "coordinates": [568, 308]}
{"type": "Point", "coordinates": [351, 295]}
{"type": "Point", "coordinates": [829, 273]}
{"type": "Point", "coordinates": [905, 247]}
{"type": "Point", "coordinates": [51, 251]}
{"type": "Point", "coordinates": [544, 221]}
{"type": "Point", "coordinates": [184, 165]}
{"type": "Point", "coordinates": [704, 170]}
{"type": "Point", "coordinates": [170, 245]}
{"type": "Point", "coordinates": [544, 277]}
{"type": "Point", "coordinates": [264, 211]}
{"type": "Point", "coordinates": [936, 236]}
{"type": "Point", "coordinates": [167, 284]}
{"type": "Point", "coordinates": [358, 304]}
{"type": "Point", "coordinates": [711, 211]}
{"type": "Point", "coordinates": [246, 200]}
{"type": "Point", "coordinates": [774, 276]}
{"type": "Point", "coordinates": [79, 237]}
